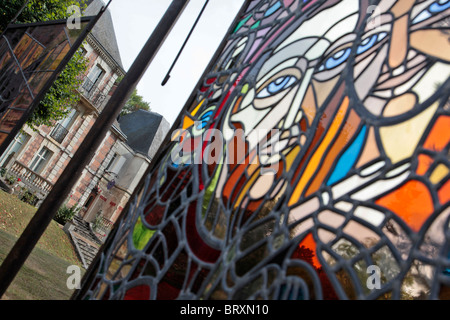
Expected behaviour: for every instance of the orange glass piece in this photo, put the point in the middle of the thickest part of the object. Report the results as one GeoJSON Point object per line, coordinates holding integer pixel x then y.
{"type": "Point", "coordinates": [424, 163]}
{"type": "Point", "coordinates": [310, 243]}
{"type": "Point", "coordinates": [412, 202]}
{"type": "Point", "coordinates": [439, 136]}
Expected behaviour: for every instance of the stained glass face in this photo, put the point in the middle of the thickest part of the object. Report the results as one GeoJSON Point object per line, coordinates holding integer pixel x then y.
{"type": "Point", "coordinates": [313, 164]}
{"type": "Point", "coordinates": [29, 55]}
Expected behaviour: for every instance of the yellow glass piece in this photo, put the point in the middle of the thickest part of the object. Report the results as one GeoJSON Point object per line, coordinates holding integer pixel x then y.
{"type": "Point", "coordinates": [245, 88]}
{"type": "Point", "coordinates": [291, 157]}
{"type": "Point", "coordinates": [187, 122]}
{"type": "Point", "coordinates": [197, 108]}
{"type": "Point", "coordinates": [400, 141]}
{"type": "Point", "coordinates": [439, 173]}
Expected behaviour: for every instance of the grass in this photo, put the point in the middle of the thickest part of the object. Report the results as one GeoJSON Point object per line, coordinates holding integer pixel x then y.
{"type": "Point", "coordinates": [43, 277]}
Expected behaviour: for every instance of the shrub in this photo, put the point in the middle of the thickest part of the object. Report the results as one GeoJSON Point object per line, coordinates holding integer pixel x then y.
{"type": "Point", "coordinates": [97, 221]}
{"type": "Point", "coordinates": [28, 197]}
{"type": "Point", "coordinates": [11, 180]}
{"type": "Point", "coordinates": [65, 214]}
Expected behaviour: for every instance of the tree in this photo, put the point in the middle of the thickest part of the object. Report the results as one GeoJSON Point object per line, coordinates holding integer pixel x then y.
{"type": "Point", "coordinates": [37, 10]}
{"type": "Point", "coordinates": [135, 103]}
{"type": "Point", "coordinates": [62, 95]}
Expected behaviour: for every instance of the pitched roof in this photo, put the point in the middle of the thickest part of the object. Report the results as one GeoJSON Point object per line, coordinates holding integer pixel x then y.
{"type": "Point", "coordinates": [103, 31]}
{"type": "Point", "coordinates": [145, 131]}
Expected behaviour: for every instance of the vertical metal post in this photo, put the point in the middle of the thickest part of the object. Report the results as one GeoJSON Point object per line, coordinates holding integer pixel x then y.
{"type": "Point", "coordinates": [44, 215]}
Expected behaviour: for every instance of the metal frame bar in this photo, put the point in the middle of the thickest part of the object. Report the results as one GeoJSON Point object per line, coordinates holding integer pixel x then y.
{"type": "Point", "coordinates": [45, 23]}
{"type": "Point", "coordinates": [184, 44]}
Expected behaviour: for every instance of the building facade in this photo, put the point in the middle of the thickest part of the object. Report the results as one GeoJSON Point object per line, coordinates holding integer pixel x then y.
{"type": "Point", "coordinates": [35, 160]}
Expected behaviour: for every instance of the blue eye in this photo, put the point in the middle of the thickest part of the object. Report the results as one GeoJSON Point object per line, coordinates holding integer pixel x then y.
{"type": "Point", "coordinates": [336, 60]}
{"type": "Point", "coordinates": [369, 42]}
{"type": "Point", "coordinates": [341, 56]}
{"type": "Point", "coordinates": [276, 86]}
{"type": "Point", "coordinates": [439, 6]}
{"type": "Point", "coordinates": [366, 44]}
{"type": "Point", "coordinates": [434, 8]}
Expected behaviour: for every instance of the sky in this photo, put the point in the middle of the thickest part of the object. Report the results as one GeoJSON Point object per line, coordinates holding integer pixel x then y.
{"type": "Point", "coordinates": [134, 22]}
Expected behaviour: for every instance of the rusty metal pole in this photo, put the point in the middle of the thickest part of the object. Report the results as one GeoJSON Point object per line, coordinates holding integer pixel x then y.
{"type": "Point", "coordinates": [44, 215]}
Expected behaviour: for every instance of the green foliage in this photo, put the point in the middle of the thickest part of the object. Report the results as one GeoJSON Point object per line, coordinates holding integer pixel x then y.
{"type": "Point", "coordinates": [65, 214]}
{"type": "Point", "coordinates": [44, 274]}
{"type": "Point", "coordinates": [134, 103]}
{"type": "Point", "coordinates": [62, 94]}
{"type": "Point", "coordinates": [97, 221]}
{"type": "Point", "coordinates": [36, 10]}
{"type": "Point", "coordinates": [28, 197]}
{"type": "Point", "coordinates": [11, 180]}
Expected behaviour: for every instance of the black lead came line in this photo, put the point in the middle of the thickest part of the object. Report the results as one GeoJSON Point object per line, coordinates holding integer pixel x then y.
{"type": "Point", "coordinates": [166, 79]}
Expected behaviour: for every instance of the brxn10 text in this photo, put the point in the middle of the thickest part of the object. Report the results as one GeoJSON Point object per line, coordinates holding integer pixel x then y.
{"type": "Point", "coordinates": [246, 309]}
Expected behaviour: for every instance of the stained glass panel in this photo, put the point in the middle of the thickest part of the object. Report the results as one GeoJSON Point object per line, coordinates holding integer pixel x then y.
{"type": "Point", "coordinates": [313, 164]}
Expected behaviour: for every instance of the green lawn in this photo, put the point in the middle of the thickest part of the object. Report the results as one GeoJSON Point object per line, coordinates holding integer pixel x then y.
{"type": "Point", "coordinates": [43, 277]}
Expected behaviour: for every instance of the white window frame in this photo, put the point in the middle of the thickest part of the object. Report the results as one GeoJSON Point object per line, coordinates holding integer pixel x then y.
{"type": "Point", "coordinates": [20, 139]}
{"type": "Point", "coordinates": [41, 159]}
